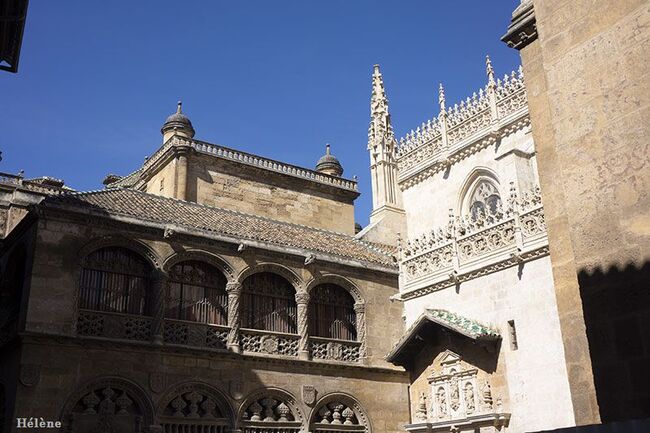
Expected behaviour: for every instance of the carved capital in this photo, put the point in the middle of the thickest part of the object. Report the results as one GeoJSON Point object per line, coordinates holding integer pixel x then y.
{"type": "Point", "coordinates": [234, 288]}
{"type": "Point", "coordinates": [359, 307]}
{"type": "Point", "coordinates": [302, 298]}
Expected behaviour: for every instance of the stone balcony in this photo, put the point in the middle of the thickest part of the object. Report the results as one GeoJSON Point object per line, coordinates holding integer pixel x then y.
{"type": "Point", "coordinates": [126, 327]}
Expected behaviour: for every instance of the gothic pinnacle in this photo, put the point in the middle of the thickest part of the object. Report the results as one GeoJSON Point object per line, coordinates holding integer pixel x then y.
{"type": "Point", "coordinates": [380, 126]}
{"type": "Point", "coordinates": [441, 98]}
{"type": "Point", "coordinates": [489, 70]}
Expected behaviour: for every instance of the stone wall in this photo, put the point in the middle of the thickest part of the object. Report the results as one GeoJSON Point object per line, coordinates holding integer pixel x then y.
{"type": "Point", "coordinates": [380, 388]}
{"type": "Point", "coordinates": [512, 160]}
{"type": "Point", "coordinates": [588, 87]}
{"type": "Point", "coordinates": [239, 187]}
{"type": "Point", "coordinates": [157, 372]}
{"type": "Point", "coordinates": [527, 376]}
{"type": "Point", "coordinates": [62, 243]}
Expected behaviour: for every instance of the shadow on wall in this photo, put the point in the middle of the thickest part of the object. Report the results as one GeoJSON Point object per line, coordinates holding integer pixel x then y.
{"type": "Point", "coordinates": [616, 305]}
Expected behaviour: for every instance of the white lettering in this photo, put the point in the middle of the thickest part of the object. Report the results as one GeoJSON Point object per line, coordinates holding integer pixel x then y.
{"type": "Point", "coordinates": [39, 422]}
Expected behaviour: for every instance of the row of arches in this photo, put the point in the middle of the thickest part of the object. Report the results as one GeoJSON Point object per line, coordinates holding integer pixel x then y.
{"type": "Point", "coordinates": [116, 404]}
{"type": "Point", "coordinates": [118, 279]}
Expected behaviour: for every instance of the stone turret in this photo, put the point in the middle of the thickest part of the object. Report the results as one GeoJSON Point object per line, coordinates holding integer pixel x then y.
{"type": "Point", "coordinates": [178, 123]}
{"type": "Point", "coordinates": [329, 164]}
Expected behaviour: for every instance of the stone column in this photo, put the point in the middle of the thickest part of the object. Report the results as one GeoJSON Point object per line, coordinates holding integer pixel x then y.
{"type": "Point", "coordinates": [234, 294]}
{"type": "Point", "coordinates": [302, 301]}
{"type": "Point", "coordinates": [360, 311]}
{"type": "Point", "coordinates": [158, 288]}
{"type": "Point", "coordinates": [181, 175]}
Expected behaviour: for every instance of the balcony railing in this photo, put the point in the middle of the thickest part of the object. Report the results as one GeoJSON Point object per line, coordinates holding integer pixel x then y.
{"type": "Point", "coordinates": [268, 342]}
{"type": "Point", "coordinates": [334, 350]}
{"type": "Point", "coordinates": [114, 325]}
{"type": "Point", "coordinates": [195, 334]}
{"type": "Point", "coordinates": [200, 335]}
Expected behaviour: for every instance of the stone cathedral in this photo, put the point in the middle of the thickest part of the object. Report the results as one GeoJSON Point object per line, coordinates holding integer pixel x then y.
{"type": "Point", "coordinates": [217, 291]}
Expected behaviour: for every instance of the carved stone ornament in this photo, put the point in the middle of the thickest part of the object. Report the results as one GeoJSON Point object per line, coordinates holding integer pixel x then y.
{"type": "Point", "coordinates": [309, 394]}
{"type": "Point", "coordinates": [30, 374]}
{"type": "Point", "coordinates": [269, 344]}
{"type": "Point", "coordinates": [157, 382]}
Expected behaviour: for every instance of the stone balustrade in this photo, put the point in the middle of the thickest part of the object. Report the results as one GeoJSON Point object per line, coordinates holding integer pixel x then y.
{"type": "Point", "coordinates": [253, 160]}
{"type": "Point", "coordinates": [269, 343]}
{"type": "Point", "coordinates": [185, 333]}
{"type": "Point", "coordinates": [447, 252]}
{"type": "Point", "coordinates": [334, 350]}
{"type": "Point", "coordinates": [481, 113]}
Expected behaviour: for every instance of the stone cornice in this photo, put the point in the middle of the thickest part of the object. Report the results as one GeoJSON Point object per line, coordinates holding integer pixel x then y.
{"type": "Point", "coordinates": [163, 154]}
{"type": "Point", "coordinates": [523, 26]}
{"type": "Point", "coordinates": [450, 281]}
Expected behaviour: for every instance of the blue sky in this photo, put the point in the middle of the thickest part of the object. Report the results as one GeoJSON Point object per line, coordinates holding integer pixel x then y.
{"type": "Point", "coordinates": [275, 78]}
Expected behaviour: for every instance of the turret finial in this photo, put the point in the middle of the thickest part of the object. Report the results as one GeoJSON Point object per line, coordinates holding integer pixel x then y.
{"type": "Point", "coordinates": [441, 98]}
{"type": "Point", "coordinates": [179, 106]}
{"type": "Point", "coordinates": [327, 149]}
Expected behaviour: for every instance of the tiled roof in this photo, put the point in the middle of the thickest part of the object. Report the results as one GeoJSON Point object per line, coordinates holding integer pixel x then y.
{"type": "Point", "coordinates": [127, 181]}
{"type": "Point", "coordinates": [451, 321]}
{"type": "Point", "coordinates": [240, 226]}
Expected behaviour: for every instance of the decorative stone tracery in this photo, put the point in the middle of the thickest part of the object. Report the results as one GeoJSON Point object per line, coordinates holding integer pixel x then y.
{"type": "Point", "coordinates": [105, 406]}
{"type": "Point", "coordinates": [338, 412]}
{"type": "Point", "coordinates": [194, 407]}
{"type": "Point", "coordinates": [458, 395]}
{"type": "Point", "coordinates": [270, 410]}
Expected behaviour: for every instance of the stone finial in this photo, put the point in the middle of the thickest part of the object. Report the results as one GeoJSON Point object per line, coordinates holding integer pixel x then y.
{"type": "Point", "coordinates": [179, 107]}
{"type": "Point", "coordinates": [441, 98]}
{"type": "Point", "coordinates": [329, 164]}
{"type": "Point", "coordinates": [489, 70]}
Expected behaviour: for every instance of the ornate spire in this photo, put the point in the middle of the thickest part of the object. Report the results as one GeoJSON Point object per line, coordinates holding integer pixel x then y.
{"type": "Point", "coordinates": [380, 126]}
{"type": "Point", "coordinates": [490, 71]}
{"type": "Point", "coordinates": [441, 99]}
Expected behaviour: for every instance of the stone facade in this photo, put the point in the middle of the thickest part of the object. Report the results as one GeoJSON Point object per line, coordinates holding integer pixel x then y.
{"type": "Point", "coordinates": [476, 251]}
{"type": "Point", "coordinates": [83, 344]}
{"type": "Point", "coordinates": [588, 90]}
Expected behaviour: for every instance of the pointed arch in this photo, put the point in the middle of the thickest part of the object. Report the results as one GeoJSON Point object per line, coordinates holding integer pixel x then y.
{"type": "Point", "coordinates": [473, 180]}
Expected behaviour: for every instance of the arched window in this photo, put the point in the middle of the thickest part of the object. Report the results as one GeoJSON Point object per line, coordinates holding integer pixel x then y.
{"type": "Point", "coordinates": [269, 303]}
{"type": "Point", "coordinates": [331, 313]}
{"type": "Point", "coordinates": [485, 198]}
{"type": "Point", "coordinates": [115, 279]}
{"type": "Point", "coordinates": [197, 292]}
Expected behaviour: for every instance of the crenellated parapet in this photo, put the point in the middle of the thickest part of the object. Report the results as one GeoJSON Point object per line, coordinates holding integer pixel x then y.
{"type": "Point", "coordinates": [464, 128]}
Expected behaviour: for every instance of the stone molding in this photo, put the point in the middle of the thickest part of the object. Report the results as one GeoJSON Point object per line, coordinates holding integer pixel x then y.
{"type": "Point", "coordinates": [523, 26]}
